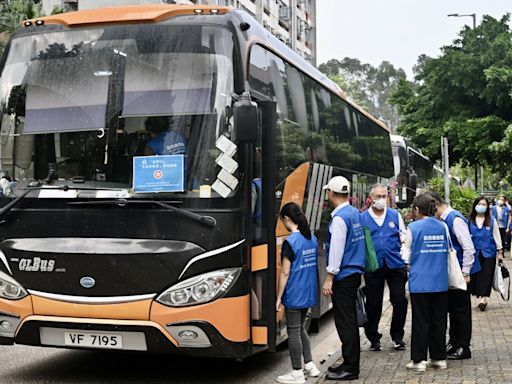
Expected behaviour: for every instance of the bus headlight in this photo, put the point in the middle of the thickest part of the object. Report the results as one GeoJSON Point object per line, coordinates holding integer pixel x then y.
{"type": "Point", "coordinates": [200, 289]}
{"type": "Point", "coordinates": [10, 289]}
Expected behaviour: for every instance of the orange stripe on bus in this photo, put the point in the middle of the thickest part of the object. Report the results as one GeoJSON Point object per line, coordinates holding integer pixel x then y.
{"type": "Point", "coordinates": [151, 13]}
{"type": "Point", "coordinates": [259, 257]}
{"type": "Point", "coordinates": [230, 316]}
{"type": "Point", "coordinates": [260, 335]}
{"type": "Point", "coordinates": [294, 190]}
{"type": "Point", "coordinates": [138, 310]}
{"type": "Point", "coordinates": [21, 308]}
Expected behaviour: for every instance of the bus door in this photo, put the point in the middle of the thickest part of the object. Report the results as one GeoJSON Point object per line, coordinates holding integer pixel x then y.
{"type": "Point", "coordinates": [263, 243]}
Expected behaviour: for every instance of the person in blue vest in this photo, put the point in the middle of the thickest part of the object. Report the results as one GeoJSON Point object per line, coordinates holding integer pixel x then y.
{"type": "Point", "coordinates": [346, 258]}
{"type": "Point", "coordinates": [501, 213]}
{"type": "Point", "coordinates": [298, 289]}
{"type": "Point", "coordinates": [166, 138]}
{"type": "Point", "coordinates": [386, 225]}
{"type": "Point", "coordinates": [459, 301]}
{"type": "Point", "coordinates": [425, 250]}
{"type": "Point", "coordinates": [487, 241]}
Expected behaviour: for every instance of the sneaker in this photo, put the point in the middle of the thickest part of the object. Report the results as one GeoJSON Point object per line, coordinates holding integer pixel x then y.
{"type": "Point", "coordinates": [376, 346]}
{"type": "Point", "coordinates": [437, 364]}
{"type": "Point", "coordinates": [399, 345]}
{"type": "Point", "coordinates": [294, 377]}
{"type": "Point", "coordinates": [311, 370]}
{"type": "Point", "coordinates": [418, 367]}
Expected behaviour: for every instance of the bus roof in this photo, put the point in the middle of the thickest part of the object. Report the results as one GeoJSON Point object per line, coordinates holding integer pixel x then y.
{"type": "Point", "coordinates": [150, 13]}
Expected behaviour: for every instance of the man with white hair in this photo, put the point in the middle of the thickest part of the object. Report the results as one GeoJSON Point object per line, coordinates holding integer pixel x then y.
{"type": "Point", "coordinates": [346, 258]}
{"type": "Point", "coordinates": [386, 227]}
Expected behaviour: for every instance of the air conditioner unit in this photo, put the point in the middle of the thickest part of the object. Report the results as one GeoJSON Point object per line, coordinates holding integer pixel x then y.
{"type": "Point", "coordinates": [288, 40]}
{"type": "Point", "coordinates": [265, 23]}
{"type": "Point", "coordinates": [284, 13]}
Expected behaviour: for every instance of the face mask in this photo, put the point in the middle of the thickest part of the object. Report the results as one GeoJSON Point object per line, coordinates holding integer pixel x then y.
{"type": "Point", "coordinates": [500, 202]}
{"type": "Point", "coordinates": [480, 209]}
{"type": "Point", "coordinates": [379, 204]}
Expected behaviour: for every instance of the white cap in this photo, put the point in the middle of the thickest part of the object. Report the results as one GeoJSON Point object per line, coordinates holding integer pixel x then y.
{"type": "Point", "coordinates": [338, 184]}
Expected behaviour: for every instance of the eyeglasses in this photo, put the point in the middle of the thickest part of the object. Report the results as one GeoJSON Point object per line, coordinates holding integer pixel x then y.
{"type": "Point", "coordinates": [379, 196]}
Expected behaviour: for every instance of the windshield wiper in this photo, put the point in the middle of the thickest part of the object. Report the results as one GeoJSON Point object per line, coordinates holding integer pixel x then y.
{"type": "Point", "coordinates": [6, 208]}
{"type": "Point", "coordinates": [205, 220]}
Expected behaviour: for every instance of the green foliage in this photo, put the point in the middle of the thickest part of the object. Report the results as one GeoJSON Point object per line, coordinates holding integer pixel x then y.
{"type": "Point", "coordinates": [465, 95]}
{"type": "Point", "coordinates": [461, 198]}
{"type": "Point", "coordinates": [368, 86]}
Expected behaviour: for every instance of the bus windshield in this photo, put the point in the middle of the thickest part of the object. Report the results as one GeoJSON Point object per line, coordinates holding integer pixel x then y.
{"type": "Point", "coordinates": [83, 104]}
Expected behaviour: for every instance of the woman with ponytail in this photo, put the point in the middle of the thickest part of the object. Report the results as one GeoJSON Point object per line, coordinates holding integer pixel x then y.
{"type": "Point", "coordinates": [298, 289]}
{"type": "Point", "coordinates": [425, 251]}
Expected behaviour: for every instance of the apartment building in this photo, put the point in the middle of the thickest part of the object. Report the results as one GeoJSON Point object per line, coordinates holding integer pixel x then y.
{"type": "Point", "coordinates": [291, 21]}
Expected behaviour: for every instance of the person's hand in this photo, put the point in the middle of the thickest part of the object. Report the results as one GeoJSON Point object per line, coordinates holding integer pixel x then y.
{"type": "Point", "coordinates": [327, 288]}
{"type": "Point", "coordinates": [279, 305]}
{"type": "Point", "coordinates": [467, 279]}
{"type": "Point", "coordinates": [507, 230]}
{"type": "Point", "coordinates": [407, 267]}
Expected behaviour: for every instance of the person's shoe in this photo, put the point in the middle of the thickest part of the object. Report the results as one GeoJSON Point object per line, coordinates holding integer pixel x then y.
{"type": "Point", "coordinates": [418, 367]}
{"type": "Point", "coordinates": [482, 306]}
{"type": "Point", "coordinates": [450, 348]}
{"type": "Point", "coordinates": [311, 370]}
{"type": "Point", "coordinates": [460, 353]}
{"type": "Point", "coordinates": [399, 345]}
{"type": "Point", "coordinates": [437, 364]}
{"type": "Point", "coordinates": [335, 368]}
{"type": "Point", "coordinates": [375, 346]}
{"type": "Point", "coordinates": [294, 377]}
{"type": "Point", "coordinates": [342, 376]}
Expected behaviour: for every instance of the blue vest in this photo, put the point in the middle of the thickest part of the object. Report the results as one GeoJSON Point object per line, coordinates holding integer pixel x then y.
{"type": "Point", "coordinates": [504, 217]}
{"type": "Point", "coordinates": [483, 240]}
{"type": "Point", "coordinates": [354, 256]}
{"type": "Point", "coordinates": [168, 143]}
{"type": "Point", "coordinates": [386, 239]}
{"type": "Point", "coordinates": [449, 222]}
{"type": "Point", "coordinates": [429, 257]}
{"type": "Point", "coordinates": [302, 287]}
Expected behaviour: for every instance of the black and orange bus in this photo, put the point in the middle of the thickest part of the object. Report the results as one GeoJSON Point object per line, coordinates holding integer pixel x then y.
{"type": "Point", "coordinates": [144, 154]}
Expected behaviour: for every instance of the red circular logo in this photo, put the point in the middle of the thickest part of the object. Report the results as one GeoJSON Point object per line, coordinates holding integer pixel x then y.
{"type": "Point", "coordinates": [158, 174]}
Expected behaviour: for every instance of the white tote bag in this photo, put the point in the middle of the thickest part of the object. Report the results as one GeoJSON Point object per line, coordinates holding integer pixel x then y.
{"type": "Point", "coordinates": [455, 276]}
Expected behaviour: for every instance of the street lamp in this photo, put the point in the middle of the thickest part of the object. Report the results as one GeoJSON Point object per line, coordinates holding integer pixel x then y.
{"type": "Point", "coordinates": [473, 15]}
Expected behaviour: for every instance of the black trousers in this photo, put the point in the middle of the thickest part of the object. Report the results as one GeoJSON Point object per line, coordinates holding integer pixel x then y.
{"type": "Point", "coordinates": [429, 317]}
{"type": "Point", "coordinates": [345, 318]}
{"type": "Point", "coordinates": [504, 237]}
{"type": "Point", "coordinates": [374, 291]}
{"type": "Point", "coordinates": [459, 309]}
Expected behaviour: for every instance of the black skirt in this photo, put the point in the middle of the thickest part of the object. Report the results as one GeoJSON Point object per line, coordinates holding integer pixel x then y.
{"type": "Point", "coordinates": [481, 282]}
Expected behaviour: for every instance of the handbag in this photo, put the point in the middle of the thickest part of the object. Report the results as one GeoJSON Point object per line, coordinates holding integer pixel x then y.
{"type": "Point", "coordinates": [371, 255]}
{"type": "Point", "coordinates": [362, 317]}
{"type": "Point", "coordinates": [455, 276]}
{"type": "Point", "coordinates": [500, 274]}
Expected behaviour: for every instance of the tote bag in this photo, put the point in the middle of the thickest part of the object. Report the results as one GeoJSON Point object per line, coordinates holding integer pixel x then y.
{"type": "Point", "coordinates": [455, 276]}
{"type": "Point", "coordinates": [498, 284]}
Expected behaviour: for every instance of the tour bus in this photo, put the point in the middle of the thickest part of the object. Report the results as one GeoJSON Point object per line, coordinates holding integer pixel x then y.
{"type": "Point", "coordinates": [145, 152]}
{"type": "Point", "coordinates": [413, 170]}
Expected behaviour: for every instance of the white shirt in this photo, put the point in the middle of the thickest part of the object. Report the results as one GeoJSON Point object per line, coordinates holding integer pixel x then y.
{"type": "Point", "coordinates": [338, 230]}
{"type": "Point", "coordinates": [461, 231]}
{"type": "Point", "coordinates": [379, 220]}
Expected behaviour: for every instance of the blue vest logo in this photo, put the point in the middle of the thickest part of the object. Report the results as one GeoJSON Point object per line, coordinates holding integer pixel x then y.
{"type": "Point", "coordinates": [87, 282]}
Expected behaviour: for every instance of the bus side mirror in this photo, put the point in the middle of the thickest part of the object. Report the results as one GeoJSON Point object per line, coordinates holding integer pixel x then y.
{"type": "Point", "coordinates": [245, 119]}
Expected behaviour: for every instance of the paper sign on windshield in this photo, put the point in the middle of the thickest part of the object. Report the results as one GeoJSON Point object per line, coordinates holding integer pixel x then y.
{"type": "Point", "coordinates": [159, 174]}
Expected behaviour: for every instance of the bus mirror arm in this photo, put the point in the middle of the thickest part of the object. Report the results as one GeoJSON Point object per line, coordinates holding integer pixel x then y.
{"type": "Point", "coordinates": [245, 119]}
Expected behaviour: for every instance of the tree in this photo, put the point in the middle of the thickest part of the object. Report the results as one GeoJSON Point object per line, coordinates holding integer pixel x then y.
{"type": "Point", "coordinates": [367, 86]}
{"type": "Point", "coordinates": [465, 95]}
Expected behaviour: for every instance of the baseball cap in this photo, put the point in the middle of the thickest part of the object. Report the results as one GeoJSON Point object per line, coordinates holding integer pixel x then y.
{"type": "Point", "coordinates": [338, 184]}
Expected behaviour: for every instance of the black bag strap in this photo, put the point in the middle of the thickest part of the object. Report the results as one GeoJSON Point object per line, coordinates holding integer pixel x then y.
{"type": "Point", "coordinates": [508, 289]}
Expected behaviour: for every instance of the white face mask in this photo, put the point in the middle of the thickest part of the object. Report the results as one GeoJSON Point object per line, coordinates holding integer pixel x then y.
{"type": "Point", "coordinates": [379, 204]}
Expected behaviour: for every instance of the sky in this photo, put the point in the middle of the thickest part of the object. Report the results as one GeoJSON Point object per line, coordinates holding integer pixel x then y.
{"type": "Point", "coordinates": [395, 30]}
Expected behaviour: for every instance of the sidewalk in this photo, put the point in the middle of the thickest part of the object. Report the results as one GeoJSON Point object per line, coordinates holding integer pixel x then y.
{"type": "Point", "coordinates": [491, 348]}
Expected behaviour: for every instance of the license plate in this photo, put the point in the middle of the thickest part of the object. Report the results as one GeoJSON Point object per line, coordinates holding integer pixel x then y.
{"type": "Point", "coordinates": [93, 340]}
